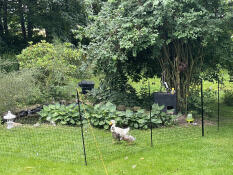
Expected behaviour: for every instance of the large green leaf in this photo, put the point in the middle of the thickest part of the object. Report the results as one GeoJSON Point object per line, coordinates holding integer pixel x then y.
{"type": "Point", "coordinates": [128, 113]}
{"type": "Point", "coordinates": [141, 121]}
{"type": "Point", "coordinates": [106, 126]}
{"type": "Point", "coordinates": [135, 125]}
{"type": "Point", "coordinates": [101, 123]}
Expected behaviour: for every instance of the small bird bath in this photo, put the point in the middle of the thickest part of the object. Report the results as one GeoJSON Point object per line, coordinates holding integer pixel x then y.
{"type": "Point", "coordinates": [9, 117]}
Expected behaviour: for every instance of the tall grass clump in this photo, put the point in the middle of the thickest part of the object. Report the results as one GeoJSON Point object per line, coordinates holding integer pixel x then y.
{"type": "Point", "coordinates": [18, 88]}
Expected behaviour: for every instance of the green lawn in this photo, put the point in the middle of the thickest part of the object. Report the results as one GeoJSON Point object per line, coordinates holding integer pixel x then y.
{"type": "Point", "coordinates": [58, 150]}
{"type": "Point", "coordinates": [49, 150]}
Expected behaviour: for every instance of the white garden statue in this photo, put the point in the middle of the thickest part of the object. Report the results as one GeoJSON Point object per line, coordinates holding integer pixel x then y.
{"type": "Point", "coordinates": [9, 117]}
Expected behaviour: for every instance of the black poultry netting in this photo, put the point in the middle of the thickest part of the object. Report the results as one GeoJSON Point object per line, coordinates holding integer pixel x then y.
{"type": "Point", "coordinates": [27, 137]}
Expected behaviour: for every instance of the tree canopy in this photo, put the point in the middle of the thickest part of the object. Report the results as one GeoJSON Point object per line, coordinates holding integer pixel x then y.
{"type": "Point", "coordinates": [22, 20]}
{"type": "Point", "coordinates": [170, 38]}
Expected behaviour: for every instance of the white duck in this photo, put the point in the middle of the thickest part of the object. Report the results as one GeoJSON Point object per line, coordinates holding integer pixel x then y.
{"type": "Point", "coordinates": [117, 132]}
{"type": "Point", "coordinates": [129, 138]}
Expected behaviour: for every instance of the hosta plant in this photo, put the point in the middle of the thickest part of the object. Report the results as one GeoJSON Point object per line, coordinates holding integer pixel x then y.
{"type": "Point", "coordinates": [61, 114]}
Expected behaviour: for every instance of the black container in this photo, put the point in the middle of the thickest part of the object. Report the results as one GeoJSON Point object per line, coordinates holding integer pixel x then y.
{"type": "Point", "coordinates": [86, 86]}
{"type": "Point", "coordinates": [166, 99]}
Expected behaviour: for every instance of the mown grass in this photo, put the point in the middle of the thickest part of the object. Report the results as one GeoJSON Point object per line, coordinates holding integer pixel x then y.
{"type": "Point", "coordinates": [58, 150]}
{"type": "Point", "coordinates": [49, 150]}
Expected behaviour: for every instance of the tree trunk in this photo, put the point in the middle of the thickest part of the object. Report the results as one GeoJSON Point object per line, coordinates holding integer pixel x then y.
{"type": "Point", "coordinates": [174, 56]}
{"type": "Point", "coordinates": [178, 84]}
{"type": "Point", "coordinates": [49, 34]}
{"type": "Point", "coordinates": [22, 21]}
{"type": "Point", "coordinates": [29, 19]}
{"type": "Point", "coordinates": [5, 22]}
{"type": "Point", "coordinates": [1, 26]}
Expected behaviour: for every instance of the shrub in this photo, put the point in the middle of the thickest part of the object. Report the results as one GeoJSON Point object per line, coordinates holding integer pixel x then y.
{"type": "Point", "coordinates": [58, 63]}
{"type": "Point", "coordinates": [101, 114]}
{"type": "Point", "coordinates": [17, 89]}
{"type": "Point", "coordinates": [194, 100]}
{"type": "Point", "coordinates": [228, 97]}
{"type": "Point", "coordinates": [128, 97]}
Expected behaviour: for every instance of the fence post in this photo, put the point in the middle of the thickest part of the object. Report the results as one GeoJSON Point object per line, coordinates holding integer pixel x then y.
{"type": "Point", "coordinates": [218, 105]}
{"type": "Point", "coordinates": [202, 109]}
{"type": "Point", "coordinates": [81, 124]}
{"type": "Point", "coordinates": [151, 134]}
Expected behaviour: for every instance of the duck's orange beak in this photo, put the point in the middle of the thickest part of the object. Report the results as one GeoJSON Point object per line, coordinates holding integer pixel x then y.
{"type": "Point", "coordinates": [110, 123]}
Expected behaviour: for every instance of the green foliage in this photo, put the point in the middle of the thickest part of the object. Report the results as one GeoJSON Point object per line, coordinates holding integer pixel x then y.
{"type": "Point", "coordinates": [61, 114]}
{"type": "Point", "coordinates": [8, 62]}
{"type": "Point", "coordinates": [141, 39]}
{"type": "Point", "coordinates": [57, 63]}
{"type": "Point", "coordinates": [160, 118]}
{"type": "Point", "coordinates": [101, 114]}
{"type": "Point", "coordinates": [102, 94]}
{"type": "Point", "coordinates": [122, 93]}
{"type": "Point", "coordinates": [228, 97]}
{"type": "Point", "coordinates": [18, 89]}
{"type": "Point", "coordinates": [21, 20]}
{"type": "Point", "coordinates": [194, 100]}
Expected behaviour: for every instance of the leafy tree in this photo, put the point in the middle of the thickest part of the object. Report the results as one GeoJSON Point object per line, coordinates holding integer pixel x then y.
{"type": "Point", "coordinates": [175, 38]}
{"type": "Point", "coordinates": [56, 64]}
{"type": "Point", "coordinates": [19, 18]}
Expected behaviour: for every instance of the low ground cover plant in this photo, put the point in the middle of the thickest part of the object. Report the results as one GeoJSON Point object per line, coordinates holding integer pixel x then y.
{"type": "Point", "coordinates": [101, 114]}
{"type": "Point", "coordinates": [62, 114]}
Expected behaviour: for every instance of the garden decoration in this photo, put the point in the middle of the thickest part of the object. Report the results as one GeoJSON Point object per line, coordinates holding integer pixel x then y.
{"type": "Point", "coordinates": [9, 117]}
{"type": "Point", "coordinates": [86, 86]}
{"type": "Point", "coordinates": [189, 118]}
{"type": "Point", "coordinates": [173, 91]}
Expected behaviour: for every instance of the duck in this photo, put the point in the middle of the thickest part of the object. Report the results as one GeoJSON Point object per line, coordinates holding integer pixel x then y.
{"type": "Point", "coordinates": [118, 133]}
{"type": "Point", "coordinates": [128, 138]}
{"type": "Point", "coordinates": [116, 136]}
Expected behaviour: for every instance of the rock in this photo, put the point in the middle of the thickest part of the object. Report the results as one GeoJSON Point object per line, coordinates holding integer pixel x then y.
{"type": "Point", "coordinates": [35, 110]}
{"type": "Point", "coordinates": [36, 125]}
{"type": "Point", "coordinates": [53, 123]}
{"type": "Point", "coordinates": [17, 124]}
{"type": "Point", "coordinates": [121, 108]}
{"type": "Point", "coordinates": [136, 108]}
{"type": "Point", "coordinates": [22, 113]}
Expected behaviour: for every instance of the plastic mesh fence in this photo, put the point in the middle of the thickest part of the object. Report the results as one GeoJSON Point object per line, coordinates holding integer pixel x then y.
{"type": "Point", "coordinates": [64, 143]}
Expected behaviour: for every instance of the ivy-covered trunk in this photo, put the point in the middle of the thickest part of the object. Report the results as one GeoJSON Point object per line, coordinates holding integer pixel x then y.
{"type": "Point", "coordinates": [177, 62]}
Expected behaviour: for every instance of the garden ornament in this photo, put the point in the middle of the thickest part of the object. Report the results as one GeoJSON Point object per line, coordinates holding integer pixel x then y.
{"type": "Point", "coordinates": [189, 118]}
{"type": "Point", "coordinates": [173, 91]}
{"type": "Point", "coordinates": [9, 117]}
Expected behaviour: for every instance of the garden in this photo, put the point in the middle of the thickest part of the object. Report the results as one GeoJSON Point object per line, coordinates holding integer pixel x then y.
{"type": "Point", "coordinates": [116, 87]}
